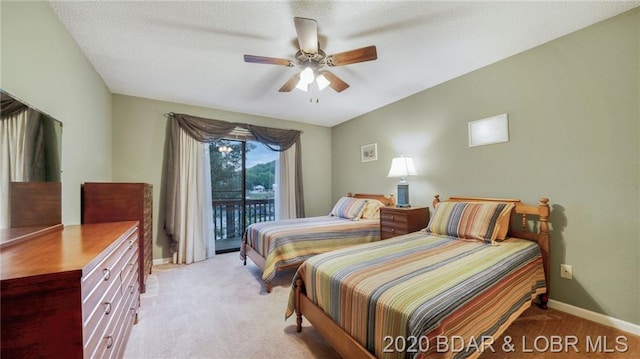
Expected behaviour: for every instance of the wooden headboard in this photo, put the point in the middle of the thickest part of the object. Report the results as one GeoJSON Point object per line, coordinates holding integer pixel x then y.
{"type": "Point", "coordinates": [388, 201]}
{"type": "Point", "coordinates": [519, 215]}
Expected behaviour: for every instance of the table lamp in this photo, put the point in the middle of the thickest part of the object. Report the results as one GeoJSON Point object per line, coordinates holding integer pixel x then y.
{"type": "Point", "coordinates": [402, 167]}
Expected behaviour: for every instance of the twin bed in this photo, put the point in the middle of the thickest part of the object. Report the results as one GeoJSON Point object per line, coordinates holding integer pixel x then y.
{"type": "Point", "coordinates": [282, 244]}
{"type": "Point", "coordinates": [467, 277]}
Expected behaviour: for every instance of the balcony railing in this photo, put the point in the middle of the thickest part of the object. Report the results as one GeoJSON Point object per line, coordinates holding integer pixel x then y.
{"type": "Point", "coordinates": [227, 216]}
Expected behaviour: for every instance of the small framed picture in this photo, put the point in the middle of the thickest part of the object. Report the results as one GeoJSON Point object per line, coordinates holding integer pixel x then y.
{"type": "Point", "coordinates": [369, 152]}
{"type": "Point", "coordinates": [489, 130]}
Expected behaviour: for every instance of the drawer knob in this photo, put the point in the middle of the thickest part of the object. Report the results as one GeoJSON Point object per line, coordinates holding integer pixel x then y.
{"type": "Point", "coordinates": [393, 230]}
{"type": "Point", "coordinates": [107, 308]}
{"type": "Point", "coordinates": [109, 340]}
{"type": "Point", "coordinates": [393, 218]}
{"type": "Point", "coordinates": [106, 274]}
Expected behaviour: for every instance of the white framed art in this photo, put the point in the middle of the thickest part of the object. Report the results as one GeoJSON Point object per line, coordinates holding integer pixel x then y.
{"type": "Point", "coordinates": [369, 152]}
{"type": "Point", "coordinates": [489, 130]}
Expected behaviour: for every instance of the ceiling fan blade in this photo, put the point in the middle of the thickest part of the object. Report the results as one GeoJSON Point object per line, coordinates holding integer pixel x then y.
{"type": "Point", "coordinates": [351, 57]}
{"type": "Point", "coordinates": [334, 81]}
{"type": "Point", "coordinates": [307, 30]}
{"type": "Point", "coordinates": [291, 84]}
{"type": "Point", "coordinates": [268, 60]}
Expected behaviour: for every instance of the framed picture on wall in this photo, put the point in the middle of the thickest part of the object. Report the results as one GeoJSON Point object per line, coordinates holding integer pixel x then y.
{"type": "Point", "coordinates": [489, 130]}
{"type": "Point", "coordinates": [369, 152]}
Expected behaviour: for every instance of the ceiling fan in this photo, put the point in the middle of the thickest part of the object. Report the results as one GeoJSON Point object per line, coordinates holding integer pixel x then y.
{"type": "Point", "coordinates": [314, 61]}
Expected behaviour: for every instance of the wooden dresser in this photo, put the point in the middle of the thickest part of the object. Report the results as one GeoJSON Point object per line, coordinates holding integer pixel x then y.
{"type": "Point", "coordinates": [111, 202]}
{"type": "Point", "coordinates": [395, 221]}
{"type": "Point", "coordinates": [70, 293]}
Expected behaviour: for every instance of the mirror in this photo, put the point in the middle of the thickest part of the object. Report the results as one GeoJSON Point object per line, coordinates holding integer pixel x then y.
{"type": "Point", "coordinates": [30, 148]}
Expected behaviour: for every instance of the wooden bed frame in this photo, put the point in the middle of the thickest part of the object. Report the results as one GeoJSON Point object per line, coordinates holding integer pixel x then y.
{"type": "Point", "coordinates": [348, 347]}
{"type": "Point", "coordinates": [260, 261]}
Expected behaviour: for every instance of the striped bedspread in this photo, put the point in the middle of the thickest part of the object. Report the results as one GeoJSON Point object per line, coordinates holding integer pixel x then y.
{"type": "Point", "coordinates": [292, 241]}
{"type": "Point", "coordinates": [424, 287]}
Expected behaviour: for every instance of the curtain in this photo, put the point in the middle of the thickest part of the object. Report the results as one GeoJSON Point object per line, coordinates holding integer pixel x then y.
{"type": "Point", "coordinates": [21, 151]}
{"type": "Point", "coordinates": [194, 227]}
{"type": "Point", "coordinates": [285, 202]}
{"type": "Point", "coordinates": [178, 190]}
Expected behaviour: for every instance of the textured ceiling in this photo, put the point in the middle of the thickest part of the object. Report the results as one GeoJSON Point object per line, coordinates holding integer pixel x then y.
{"type": "Point", "coordinates": [191, 52]}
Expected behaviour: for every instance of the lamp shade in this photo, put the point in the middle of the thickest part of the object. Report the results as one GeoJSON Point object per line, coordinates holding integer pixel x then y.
{"type": "Point", "coordinates": [402, 167]}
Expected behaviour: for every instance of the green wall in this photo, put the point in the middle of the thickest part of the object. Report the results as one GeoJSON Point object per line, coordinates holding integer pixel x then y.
{"type": "Point", "coordinates": [574, 115]}
{"type": "Point", "coordinates": [139, 136]}
{"type": "Point", "coordinates": [42, 65]}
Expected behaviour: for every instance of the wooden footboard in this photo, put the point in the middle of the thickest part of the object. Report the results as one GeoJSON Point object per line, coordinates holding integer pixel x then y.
{"type": "Point", "coordinates": [260, 262]}
{"type": "Point", "coordinates": [339, 339]}
{"type": "Point", "coordinates": [256, 258]}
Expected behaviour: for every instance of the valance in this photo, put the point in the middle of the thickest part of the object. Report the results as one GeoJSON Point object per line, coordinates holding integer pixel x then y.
{"type": "Point", "coordinates": [208, 130]}
{"type": "Point", "coordinates": [9, 105]}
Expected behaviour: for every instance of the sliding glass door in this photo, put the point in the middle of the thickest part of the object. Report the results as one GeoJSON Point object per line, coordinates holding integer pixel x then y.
{"type": "Point", "coordinates": [242, 184]}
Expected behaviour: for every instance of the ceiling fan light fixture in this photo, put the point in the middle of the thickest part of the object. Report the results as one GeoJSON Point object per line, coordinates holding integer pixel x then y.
{"type": "Point", "coordinates": [322, 82]}
{"type": "Point", "coordinates": [306, 76]}
{"type": "Point", "coordinates": [302, 86]}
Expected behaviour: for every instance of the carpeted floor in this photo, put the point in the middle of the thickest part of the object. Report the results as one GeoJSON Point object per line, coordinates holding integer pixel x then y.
{"type": "Point", "coordinates": [218, 308]}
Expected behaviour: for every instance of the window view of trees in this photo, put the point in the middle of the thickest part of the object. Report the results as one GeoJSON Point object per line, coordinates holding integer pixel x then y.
{"type": "Point", "coordinates": [260, 180]}
{"type": "Point", "coordinates": [231, 212]}
{"type": "Point", "coordinates": [226, 169]}
{"type": "Point", "coordinates": [226, 172]}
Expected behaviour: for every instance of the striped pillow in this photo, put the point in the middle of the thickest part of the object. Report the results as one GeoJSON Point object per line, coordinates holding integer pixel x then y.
{"type": "Point", "coordinates": [349, 208]}
{"type": "Point", "coordinates": [372, 209]}
{"type": "Point", "coordinates": [469, 220]}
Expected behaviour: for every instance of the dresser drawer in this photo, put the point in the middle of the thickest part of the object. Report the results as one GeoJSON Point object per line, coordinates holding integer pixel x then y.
{"type": "Point", "coordinates": [114, 339]}
{"type": "Point", "coordinates": [128, 274]}
{"type": "Point", "coordinates": [104, 272]}
{"type": "Point", "coordinates": [99, 321]}
{"type": "Point", "coordinates": [129, 319]}
{"type": "Point", "coordinates": [97, 282]}
{"type": "Point", "coordinates": [96, 311]}
{"type": "Point", "coordinates": [388, 232]}
{"type": "Point", "coordinates": [106, 333]}
{"type": "Point", "coordinates": [105, 299]}
{"type": "Point", "coordinates": [393, 216]}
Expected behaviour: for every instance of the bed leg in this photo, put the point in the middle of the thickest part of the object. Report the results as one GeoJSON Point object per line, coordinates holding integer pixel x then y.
{"type": "Point", "coordinates": [244, 250]}
{"type": "Point", "coordinates": [268, 285]}
{"type": "Point", "coordinates": [544, 299]}
{"type": "Point", "coordinates": [297, 305]}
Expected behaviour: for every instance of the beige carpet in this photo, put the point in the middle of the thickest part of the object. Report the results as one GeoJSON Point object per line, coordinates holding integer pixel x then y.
{"type": "Point", "coordinates": [218, 308]}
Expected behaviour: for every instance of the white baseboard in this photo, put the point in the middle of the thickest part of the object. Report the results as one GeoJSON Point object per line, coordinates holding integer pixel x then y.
{"type": "Point", "coordinates": [595, 317]}
{"type": "Point", "coordinates": [161, 261]}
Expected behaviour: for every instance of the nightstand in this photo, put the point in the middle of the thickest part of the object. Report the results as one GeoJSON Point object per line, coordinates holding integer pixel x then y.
{"type": "Point", "coordinates": [395, 221]}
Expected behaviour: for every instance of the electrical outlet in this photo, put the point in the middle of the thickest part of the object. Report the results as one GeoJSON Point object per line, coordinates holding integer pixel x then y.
{"type": "Point", "coordinates": [566, 271]}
